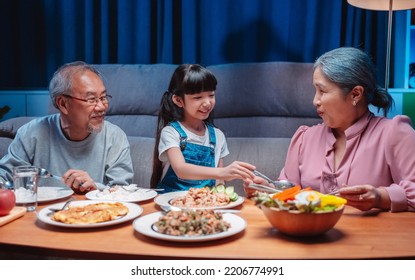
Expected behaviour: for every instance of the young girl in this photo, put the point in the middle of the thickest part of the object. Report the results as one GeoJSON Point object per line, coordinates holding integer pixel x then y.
{"type": "Point", "coordinates": [189, 150]}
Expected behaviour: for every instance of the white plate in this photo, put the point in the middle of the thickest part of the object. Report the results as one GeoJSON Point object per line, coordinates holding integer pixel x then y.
{"type": "Point", "coordinates": [134, 211]}
{"type": "Point", "coordinates": [164, 200]}
{"type": "Point", "coordinates": [45, 194]}
{"type": "Point", "coordinates": [140, 195]}
{"type": "Point", "coordinates": [144, 225]}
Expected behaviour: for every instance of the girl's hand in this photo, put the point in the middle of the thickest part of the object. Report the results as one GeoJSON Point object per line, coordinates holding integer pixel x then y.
{"type": "Point", "coordinates": [237, 170]}
{"type": "Point", "coordinates": [362, 197]}
{"type": "Point", "coordinates": [256, 180]}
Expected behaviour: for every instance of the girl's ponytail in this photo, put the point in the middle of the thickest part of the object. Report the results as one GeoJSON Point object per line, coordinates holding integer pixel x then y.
{"type": "Point", "coordinates": [168, 110]}
{"type": "Point", "coordinates": [165, 115]}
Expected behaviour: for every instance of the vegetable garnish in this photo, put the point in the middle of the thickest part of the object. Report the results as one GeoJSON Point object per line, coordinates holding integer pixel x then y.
{"type": "Point", "coordinates": [229, 191]}
{"type": "Point", "coordinates": [289, 194]}
{"type": "Point", "coordinates": [327, 199]}
{"type": "Point", "coordinates": [303, 200]}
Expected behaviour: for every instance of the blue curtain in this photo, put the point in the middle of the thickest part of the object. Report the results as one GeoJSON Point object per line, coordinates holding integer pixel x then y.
{"type": "Point", "coordinates": [37, 36]}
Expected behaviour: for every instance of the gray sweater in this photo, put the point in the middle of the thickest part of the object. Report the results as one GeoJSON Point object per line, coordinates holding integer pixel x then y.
{"type": "Point", "coordinates": [41, 142]}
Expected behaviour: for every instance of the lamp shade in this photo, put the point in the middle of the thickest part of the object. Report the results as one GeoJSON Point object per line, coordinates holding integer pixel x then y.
{"type": "Point", "coordinates": [383, 5]}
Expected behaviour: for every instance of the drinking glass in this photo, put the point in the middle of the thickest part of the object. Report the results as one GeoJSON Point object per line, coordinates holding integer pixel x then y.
{"type": "Point", "coordinates": [25, 186]}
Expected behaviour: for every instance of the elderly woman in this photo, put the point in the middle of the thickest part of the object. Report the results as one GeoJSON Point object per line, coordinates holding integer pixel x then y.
{"type": "Point", "coordinates": [368, 160]}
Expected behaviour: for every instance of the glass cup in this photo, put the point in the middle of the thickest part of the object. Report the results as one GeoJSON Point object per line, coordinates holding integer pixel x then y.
{"type": "Point", "coordinates": [25, 186]}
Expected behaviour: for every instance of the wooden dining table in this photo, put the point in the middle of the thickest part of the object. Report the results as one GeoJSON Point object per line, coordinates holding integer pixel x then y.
{"type": "Point", "coordinates": [357, 235]}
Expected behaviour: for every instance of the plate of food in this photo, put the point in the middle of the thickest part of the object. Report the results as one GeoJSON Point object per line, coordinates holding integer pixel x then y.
{"type": "Point", "coordinates": [122, 193]}
{"type": "Point", "coordinates": [89, 213]}
{"type": "Point", "coordinates": [46, 194]}
{"type": "Point", "coordinates": [206, 225]}
{"type": "Point", "coordinates": [201, 198]}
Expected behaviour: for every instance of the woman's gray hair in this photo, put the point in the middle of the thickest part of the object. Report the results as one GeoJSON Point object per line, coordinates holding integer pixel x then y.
{"type": "Point", "coordinates": [61, 82]}
{"type": "Point", "coordinates": [349, 67]}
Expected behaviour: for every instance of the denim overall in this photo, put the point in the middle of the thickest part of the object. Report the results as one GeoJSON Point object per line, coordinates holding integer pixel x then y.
{"type": "Point", "coordinates": [194, 154]}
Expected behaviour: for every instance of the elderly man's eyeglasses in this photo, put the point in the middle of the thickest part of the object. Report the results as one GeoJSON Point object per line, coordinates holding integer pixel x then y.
{"type": "Point", "coordinates": [92, 100]}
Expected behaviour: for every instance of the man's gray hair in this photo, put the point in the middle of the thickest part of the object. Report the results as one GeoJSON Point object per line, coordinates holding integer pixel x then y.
{"type": "Point", "coordinates": [61, 82]}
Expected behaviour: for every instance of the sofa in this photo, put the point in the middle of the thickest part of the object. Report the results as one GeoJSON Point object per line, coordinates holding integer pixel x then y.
{"type": "Point", "coordinates": [258, 106]}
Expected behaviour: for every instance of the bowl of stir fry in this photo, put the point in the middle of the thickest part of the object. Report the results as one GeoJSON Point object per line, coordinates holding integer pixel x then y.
{"type": "Point", "coordinates": [301, 212]}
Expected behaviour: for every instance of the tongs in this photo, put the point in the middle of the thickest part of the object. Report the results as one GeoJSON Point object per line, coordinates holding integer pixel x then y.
{"type": "Point", "coordinates": [263, 188]}
{"type": "Point", "coordinates": [280, 185]}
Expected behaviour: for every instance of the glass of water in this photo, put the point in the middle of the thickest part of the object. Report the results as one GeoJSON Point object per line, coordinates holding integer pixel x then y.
{"type": "Point", "coordinates": [25, 180]}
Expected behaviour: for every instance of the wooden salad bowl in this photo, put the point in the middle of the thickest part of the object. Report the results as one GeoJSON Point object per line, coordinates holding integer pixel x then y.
{"type": "Point", "coordinates": [296, 223]}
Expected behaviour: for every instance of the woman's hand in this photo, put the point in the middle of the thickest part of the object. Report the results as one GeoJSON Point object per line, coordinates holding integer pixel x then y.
{"type": "Point", "coordinates": [365, 197]}
{"type": "Point", "coordinates": [78, 180]}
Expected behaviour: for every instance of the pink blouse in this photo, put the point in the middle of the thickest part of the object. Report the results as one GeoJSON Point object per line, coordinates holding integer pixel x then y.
{"type": "Point", "coordinates": [379, 152]}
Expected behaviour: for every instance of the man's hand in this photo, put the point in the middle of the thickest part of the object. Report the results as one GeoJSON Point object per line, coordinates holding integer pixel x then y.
{"type": "Point", "coordinates": [79, 181]}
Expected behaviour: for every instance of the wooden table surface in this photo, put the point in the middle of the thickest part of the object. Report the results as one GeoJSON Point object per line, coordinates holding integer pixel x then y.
{"type": "Point", "coordinates": [357, 235]}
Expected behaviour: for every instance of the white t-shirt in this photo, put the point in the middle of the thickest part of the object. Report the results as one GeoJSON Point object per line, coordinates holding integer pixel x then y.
{"type": "Point", "coordinates": [170, 138]}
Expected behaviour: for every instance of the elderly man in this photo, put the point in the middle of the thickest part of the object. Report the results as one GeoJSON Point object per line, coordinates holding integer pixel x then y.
{"type": "Point", "coordinates": [76, 143]}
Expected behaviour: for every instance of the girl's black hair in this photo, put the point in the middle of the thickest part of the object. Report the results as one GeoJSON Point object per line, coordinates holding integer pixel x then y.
{"type": "Point", "coordinates": [186, 79]}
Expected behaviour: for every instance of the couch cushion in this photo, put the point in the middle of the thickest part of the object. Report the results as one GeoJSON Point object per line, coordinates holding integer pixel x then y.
{"type": "Point", "coordinates": [144, 126]}
{"type": "Point", "coordinates": [8, 128]}
{"type": "Point", "coordinates": [264, 89]}
{"type": "Point", "coordinates": [267, 154]}
{"type": "Point", "coordinates": [142, 157]}
{"type": "Point", "coordinates": [4, 145]}
{"type": "Point", "coordinates": [268, 99]}
{"type": "Point", "coordinates": [136, 89]}
{"type": "Point", "coordinates": [262, 126]}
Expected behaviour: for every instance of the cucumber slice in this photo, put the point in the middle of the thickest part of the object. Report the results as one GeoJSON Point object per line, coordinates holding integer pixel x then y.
{"type": "Point", "coordinates": [220, 188]}
{"type": "Point", "coordinates": [214, 190]}
{"type": "Point", "coordinates": [229, 190]}
{"type": "Point", "coordinates": [234, 197]}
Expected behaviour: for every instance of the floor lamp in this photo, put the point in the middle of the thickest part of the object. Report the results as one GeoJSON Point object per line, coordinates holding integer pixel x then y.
{"type": "Point", "coordinates": [385, 5]}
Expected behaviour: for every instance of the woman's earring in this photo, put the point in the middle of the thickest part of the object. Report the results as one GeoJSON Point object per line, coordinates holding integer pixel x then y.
{"type": "Point", "coordinates": [354, 103]}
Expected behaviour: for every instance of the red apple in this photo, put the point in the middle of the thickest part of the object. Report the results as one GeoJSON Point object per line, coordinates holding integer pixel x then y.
{"type": "Point", "coordinates": [7, 201]}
